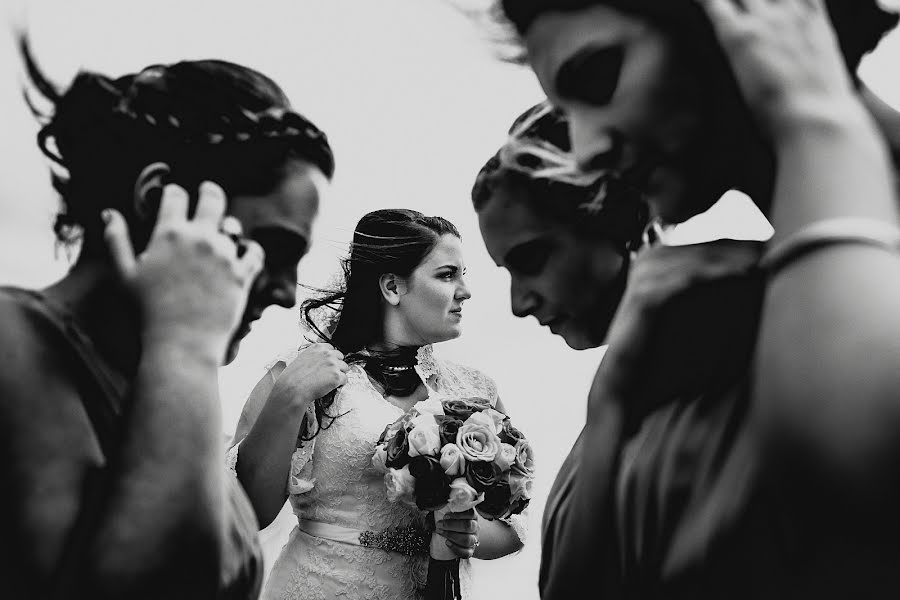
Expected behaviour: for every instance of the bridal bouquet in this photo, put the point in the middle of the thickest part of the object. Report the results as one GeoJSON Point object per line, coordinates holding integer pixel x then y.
{"type": "Point", "coordinates": [454, 455]}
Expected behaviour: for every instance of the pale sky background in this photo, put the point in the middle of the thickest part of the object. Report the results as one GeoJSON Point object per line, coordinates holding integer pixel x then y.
{"type": "Point", "coordinates": [414, 103]}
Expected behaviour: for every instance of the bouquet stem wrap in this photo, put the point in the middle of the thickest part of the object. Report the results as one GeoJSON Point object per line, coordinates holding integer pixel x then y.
{"type": "Point", "coordinates": [442, 582]}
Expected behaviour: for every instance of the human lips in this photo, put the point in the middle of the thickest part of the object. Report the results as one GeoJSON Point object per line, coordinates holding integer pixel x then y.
{"type": "Point", "coordinates": [556, 325]}
{"type": "Point", "coordinates": [553, 323]}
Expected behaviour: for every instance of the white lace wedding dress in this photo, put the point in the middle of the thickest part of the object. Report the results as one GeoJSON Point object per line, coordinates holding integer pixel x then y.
{"type": "Point", "coordinates": [337, 494]}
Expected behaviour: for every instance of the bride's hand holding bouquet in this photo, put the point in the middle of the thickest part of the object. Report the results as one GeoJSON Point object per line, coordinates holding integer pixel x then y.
{"type": "Point", "coordinates": [454, 458]}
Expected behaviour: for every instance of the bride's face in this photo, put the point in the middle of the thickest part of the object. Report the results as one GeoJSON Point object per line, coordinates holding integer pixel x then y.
{"type": "Point", "coordinates": [430, 306]}
{"type": "Point", "coordinates": [623, 86]}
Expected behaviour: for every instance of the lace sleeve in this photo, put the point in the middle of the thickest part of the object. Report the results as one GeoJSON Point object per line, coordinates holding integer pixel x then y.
{"type": "Point", "coordinates": [466, 381]}
{"type": "Point", "coordinates": [231, 457]}
{"type": "Point", "coordinates": [286, 357]}
{"type": "Point", "coordinates": [300, 479]}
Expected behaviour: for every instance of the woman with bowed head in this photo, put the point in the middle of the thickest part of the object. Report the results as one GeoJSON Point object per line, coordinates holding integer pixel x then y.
{"type": "Point", "coordinates": [113, 478]}
{"type": "Point", "coordinates": [310, 426]}
{"type": "Point", "coordinates": [774, 473]}
{"type": "Point", "coordinates": [575, 248]}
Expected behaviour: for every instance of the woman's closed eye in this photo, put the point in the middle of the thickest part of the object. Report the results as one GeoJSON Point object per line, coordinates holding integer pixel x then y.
{"type": "Point", "coordinates": [529, 258]}
{"type": "Point", "coordinates": [592, 75]}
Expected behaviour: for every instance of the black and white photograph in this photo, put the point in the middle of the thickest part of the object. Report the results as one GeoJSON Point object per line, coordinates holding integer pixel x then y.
{"type": "Point", "coordinates": [450, 299]}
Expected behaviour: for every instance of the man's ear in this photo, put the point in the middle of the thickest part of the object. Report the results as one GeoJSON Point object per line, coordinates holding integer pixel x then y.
{"type": "Point", "coordinates": [392, 287]}
{"type": "Point", "coordinates": [148, 189]}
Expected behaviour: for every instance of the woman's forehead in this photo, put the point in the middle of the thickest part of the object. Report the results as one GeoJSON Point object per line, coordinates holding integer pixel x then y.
{"type": "Point", "coordinates": [448, 250]}
{"type": "Point", "coordinates": [554, 36]}
{"type": "Point", "coordinates": [507, 219]}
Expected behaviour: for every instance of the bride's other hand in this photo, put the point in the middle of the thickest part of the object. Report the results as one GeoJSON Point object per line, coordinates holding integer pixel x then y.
{"type": "Point", "coordinates": [317, 370]}
{"type": "Point", "coordinates": [786, 58]}
{"type": "Point", "coordinates": [460, 529]}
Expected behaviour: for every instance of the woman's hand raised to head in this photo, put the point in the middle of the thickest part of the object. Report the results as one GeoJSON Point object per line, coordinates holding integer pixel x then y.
{"type": "Point", "coordinates": [786, 58]}
{"type": "Point", "coordinates": [317, 370]}
{"type": "Point", "coordinates": [189, 282]}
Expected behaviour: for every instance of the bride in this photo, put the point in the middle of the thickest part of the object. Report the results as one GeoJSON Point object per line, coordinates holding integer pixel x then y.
{"type": "Point", "coordinates": [308, 430]}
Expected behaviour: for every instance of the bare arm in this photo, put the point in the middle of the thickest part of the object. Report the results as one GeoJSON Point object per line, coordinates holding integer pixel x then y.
{"type": "Point", "coordinates": [825, 379]}
{"type": "Point", "coordinates": [264, 459]}
{"type": "Point", "coordinates": [829, 347]}
{"type": "Point", "coordinates": [165, 510]}
{"type": "Point", "coordinates": [166, 504]}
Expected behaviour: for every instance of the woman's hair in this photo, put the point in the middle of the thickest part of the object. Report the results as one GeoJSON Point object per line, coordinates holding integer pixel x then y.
{"type": "Point", "coordinates": [537, 166]}
{"type": "Point", "coordinates": [384, 241]}
{"type": "Point", "coordinates": [860, 24]}
{"type": "Point", "coordinates": [350, 316]}
{"type": "Point", "coordinates": [206, 119]}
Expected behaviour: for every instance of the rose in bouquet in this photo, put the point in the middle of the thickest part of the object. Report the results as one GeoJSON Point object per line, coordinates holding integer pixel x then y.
{"type": "Point", "coordinates": [455, 455]}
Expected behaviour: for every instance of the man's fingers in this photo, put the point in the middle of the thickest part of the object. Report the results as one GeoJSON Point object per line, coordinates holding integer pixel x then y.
{"type": "Point", "coordinates": [118, 241]}
{"type": "Point", "coordinates": [173, 206]}
{"type": "Point", "coordinates": [724, 14]}
{"type": "Point", "coordinates": [251, 262]}
{"type": "Point", "coordinates": [211, 204]}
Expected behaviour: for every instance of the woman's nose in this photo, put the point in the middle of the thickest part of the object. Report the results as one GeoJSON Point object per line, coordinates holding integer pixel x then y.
{"type": "Point", "coordinates": [463, 292]}
{"type": "Point", "coordinates": [278, 288]}
{"type": "Point", "coordinates": [595, 147]}
{"type": "Point", "coordinates": [522, 300]}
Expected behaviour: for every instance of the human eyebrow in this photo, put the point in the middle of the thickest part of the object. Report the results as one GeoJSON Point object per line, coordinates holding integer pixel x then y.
{"type": "Point", "coordinates": [451, 268]}
{"type": "Point", "coordinates": [591, 75]}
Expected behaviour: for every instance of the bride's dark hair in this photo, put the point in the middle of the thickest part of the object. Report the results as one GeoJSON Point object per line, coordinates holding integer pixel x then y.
{"type": "Point", "coordinates": [206, 119]}
{"type": "Point", "coordinates": [350, 316]}
{"type": "Point", "coordinates": [385, 241]}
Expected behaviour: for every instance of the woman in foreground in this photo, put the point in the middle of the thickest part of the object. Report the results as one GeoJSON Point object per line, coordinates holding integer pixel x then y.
{"type": "Point", "coordinates": [772, 474]}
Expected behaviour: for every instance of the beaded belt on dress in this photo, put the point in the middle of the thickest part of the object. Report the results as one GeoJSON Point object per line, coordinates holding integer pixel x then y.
{"type": "Point", "coordinates": [405, 540]}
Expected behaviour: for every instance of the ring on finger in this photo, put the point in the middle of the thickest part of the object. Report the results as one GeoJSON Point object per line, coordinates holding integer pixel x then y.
{"type": "Point", "coordinates": [231, 228]}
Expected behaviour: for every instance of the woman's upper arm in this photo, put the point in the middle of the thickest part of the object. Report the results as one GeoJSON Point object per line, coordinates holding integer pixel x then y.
{"type": "Point", "coordinates": [825, 386]}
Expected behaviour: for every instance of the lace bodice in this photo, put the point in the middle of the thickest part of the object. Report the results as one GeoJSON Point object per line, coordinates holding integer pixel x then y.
{"type": "Point", "coordinates": [332, 481]}
{"type": "Point", "coordinates": [343, 488]}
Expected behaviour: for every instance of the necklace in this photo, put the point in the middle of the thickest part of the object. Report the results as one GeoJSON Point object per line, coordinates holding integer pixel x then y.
{"type": "Point", "coordinates": [395, 370]}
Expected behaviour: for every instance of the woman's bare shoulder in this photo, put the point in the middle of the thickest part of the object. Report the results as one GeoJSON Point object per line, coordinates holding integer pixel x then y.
{"type": "Point", "coordinates": [40, 403]}
{"type": "Point", "coordinates": [47, 439]}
